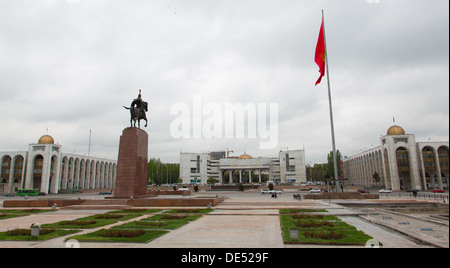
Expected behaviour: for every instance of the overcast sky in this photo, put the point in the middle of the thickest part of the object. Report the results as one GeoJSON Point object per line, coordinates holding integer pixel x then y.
{"type": "Point", "coordinates": [70, 65]}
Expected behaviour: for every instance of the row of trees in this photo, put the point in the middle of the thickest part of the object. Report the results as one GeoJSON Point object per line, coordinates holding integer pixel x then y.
{"type": "Point", "coordinates": [325, 171]}
{"type": "Point", "coordinates": [163, 173]}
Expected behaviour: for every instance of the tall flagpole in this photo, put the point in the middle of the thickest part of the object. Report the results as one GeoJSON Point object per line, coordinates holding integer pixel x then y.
{"type": "Point", "coordinates": [336, 175]}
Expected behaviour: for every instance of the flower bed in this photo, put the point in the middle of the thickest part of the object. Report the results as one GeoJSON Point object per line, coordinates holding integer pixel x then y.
{"type": "Point", "coordinates": [320, 229]}
{"type": "Point", "coordinates": [113, 235]}
{"type": "Point", "coordinates": [160, 221]}
{"type": "Point", "coordinates": [90, 222]}
{"type": "Point", "coordinates": [25, 234]}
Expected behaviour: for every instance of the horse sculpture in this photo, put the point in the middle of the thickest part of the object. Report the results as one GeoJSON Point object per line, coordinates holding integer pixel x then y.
{"type": "Point", "coordinates": [138, 109]}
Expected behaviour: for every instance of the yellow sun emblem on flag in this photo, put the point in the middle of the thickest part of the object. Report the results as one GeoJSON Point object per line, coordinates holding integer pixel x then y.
{"type": "Point", "coordinates": [322, 56]}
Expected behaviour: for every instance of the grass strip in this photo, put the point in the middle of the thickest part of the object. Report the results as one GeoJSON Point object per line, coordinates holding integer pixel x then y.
{"type": "Point", "coordinates": [25, 234]}
{"type": "Point", "coordinates": [93, 221]}
{"type": "Point", "coordinates": [26, 211]}
{"type": "Point", "coordinates": [160, 222]}
{"type": "Point", "coordinates": [113, 235]}
{"type": "Point", "coordinates": [321, 230]}
{"type": "Point", "coordinates": [291, 211]}
{"type": "Point", "coordinates": [4, 216]}
{"type": "Point", "coordinates": [331, 237]}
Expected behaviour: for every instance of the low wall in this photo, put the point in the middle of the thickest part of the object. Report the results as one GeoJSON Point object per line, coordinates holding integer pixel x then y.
{"type": "Point", "coordinates": [183, 193]}
{"type": "Point", "coordinates": [345, 195]}
{"type": "Point", "coordinates": [40, 203]}
{"type": "Point", "coordinates": [175, 202]}
{"type": "Point", "coordinates": [144, 202]}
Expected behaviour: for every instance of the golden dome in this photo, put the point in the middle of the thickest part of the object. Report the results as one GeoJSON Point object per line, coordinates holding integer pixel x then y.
{"type": "Point", "coordinates": [245, 156]}
{"type": "Point", "coordinates": [396, 130]}
{"type": "Point", "coordinates": [46, 139]}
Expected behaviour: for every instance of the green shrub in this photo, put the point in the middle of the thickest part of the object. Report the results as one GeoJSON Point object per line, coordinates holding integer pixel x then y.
{"type": "Point", "coordinates": [78, 223]}
{"type": "Point", "coordinates": [290, 211]}
{"type": "Point", "coordinates": [135, 210]}
{"type": "Point", "coordinates": [26, 232]}
{"type": "Point", "coordinates": [303, 216]}
{"type": "Point", "coordinates": [187, 211]}
{"type": "Point", "coordinates": [108, 216]}
{"type": "Point", "coordinates": [121, 233]}
{"type": "Point", "coordinates": [172, 217]}
{"type": "Point", "coordinates": [324, 235]}
{"type": "Point", "coordinates": [241, 187]}
{"type": "Point", "coordinates": [150, 224]}
{"type": "Point", "coordinates": [313, 224]}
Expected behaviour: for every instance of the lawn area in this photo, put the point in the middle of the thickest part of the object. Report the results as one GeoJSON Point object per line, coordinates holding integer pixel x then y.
{"type": "Point", "coordinates": [13, 213]}
{"type": "Point", "coordinates": [141, 231]}
{"type": "Point", "coordinates": [25, 234]}
{"type": "Point", "coordinates": [117, 235]}
{"type": "Point", "coordinates": [93, 221]}
{"type": "Point", "coordinates": [291, 211]}
{"type": "Point", "coordinates": [26, 211]}
{"type": "Point", "coordinates": [320, 229]}
{"type": "Point", "coordinates": [160, 221]}
{"type": "Point", "coordinates": [4, 216]}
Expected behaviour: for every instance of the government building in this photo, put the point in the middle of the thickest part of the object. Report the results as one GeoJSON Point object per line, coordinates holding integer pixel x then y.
{"type": "Point", "coordinates": [46, 168]}
{"type": "Point", "coordinates": [288, 168]}
{"type": "Point", "coordinates": [400, 163]}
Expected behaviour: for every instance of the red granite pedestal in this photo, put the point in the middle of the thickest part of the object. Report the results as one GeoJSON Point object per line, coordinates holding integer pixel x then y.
{"type": "Point", "coordinates": [131, 176]}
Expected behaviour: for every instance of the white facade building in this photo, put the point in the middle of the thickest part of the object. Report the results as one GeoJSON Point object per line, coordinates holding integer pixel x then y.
{"type": "Point", "coordinates": [289, 167]}
{"type": "Point", "coordinates": [401, 163]}
{"type": "Point", "coordinates": [46, 168]}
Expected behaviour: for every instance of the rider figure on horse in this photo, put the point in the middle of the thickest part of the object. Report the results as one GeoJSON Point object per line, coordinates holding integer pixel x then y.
{"type": "Point", "coordinates": [137, 111]}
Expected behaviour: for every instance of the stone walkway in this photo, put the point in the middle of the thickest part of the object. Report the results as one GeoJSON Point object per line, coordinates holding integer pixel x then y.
{"type": "Point", "coordinates": [242, 221]}
{"type": "Point", "coordinates": [226, 231]}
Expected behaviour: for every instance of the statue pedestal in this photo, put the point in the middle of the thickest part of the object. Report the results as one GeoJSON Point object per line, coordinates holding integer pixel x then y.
{"type": "Point", "coordinates": [132, 176]}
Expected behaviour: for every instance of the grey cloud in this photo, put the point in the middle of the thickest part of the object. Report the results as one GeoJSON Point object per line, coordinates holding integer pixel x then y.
{"type": "Point", "coordinates": [71, 67]}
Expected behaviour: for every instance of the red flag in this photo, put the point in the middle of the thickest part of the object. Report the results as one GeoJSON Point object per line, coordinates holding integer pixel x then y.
{"type": "Point", "coordinates": [320, 54]}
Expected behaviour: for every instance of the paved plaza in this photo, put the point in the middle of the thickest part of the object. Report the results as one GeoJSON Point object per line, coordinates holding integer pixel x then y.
{"type": "Point", "coordinates": [251, 220]}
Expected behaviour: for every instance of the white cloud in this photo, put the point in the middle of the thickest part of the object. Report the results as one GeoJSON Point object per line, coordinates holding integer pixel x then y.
{"type": "Point", "coordinates": [71, 65]}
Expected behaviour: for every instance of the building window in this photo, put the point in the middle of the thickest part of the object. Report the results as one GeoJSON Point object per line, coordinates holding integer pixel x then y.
{"type": "Point", "coordinates": [198, 163]}
{"type": "Point", "coordinates": [397, 140]}
{"type": "Point", "coordinates": [287, 162]}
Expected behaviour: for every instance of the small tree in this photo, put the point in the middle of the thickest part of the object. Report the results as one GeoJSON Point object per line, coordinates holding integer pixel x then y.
{"type": "Point", "coordinates": [241, 187]}
{"type": "Point", "coordinates": [196, 188]}
{"type": "Point", "coordinates": [330, 165]}
{"type": "Point", "coordinates": [376, 178]}
{"type": "Point", "coordinates": [211, 181]}
{"type": "Point", "coordinates": [270, 186]}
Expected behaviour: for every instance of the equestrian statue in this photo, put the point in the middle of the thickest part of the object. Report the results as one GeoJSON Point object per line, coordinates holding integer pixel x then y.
{"type": "Point", "coordinates": [138, 109]}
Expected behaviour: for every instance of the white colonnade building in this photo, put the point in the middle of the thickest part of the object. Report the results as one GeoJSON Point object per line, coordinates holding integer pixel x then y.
{"type": "Point", "coordinates": [288, 168]}
{"type": "Point", "coordinates": [400, 163]}
{"type": "Point", "coordinates": [46, 168]}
